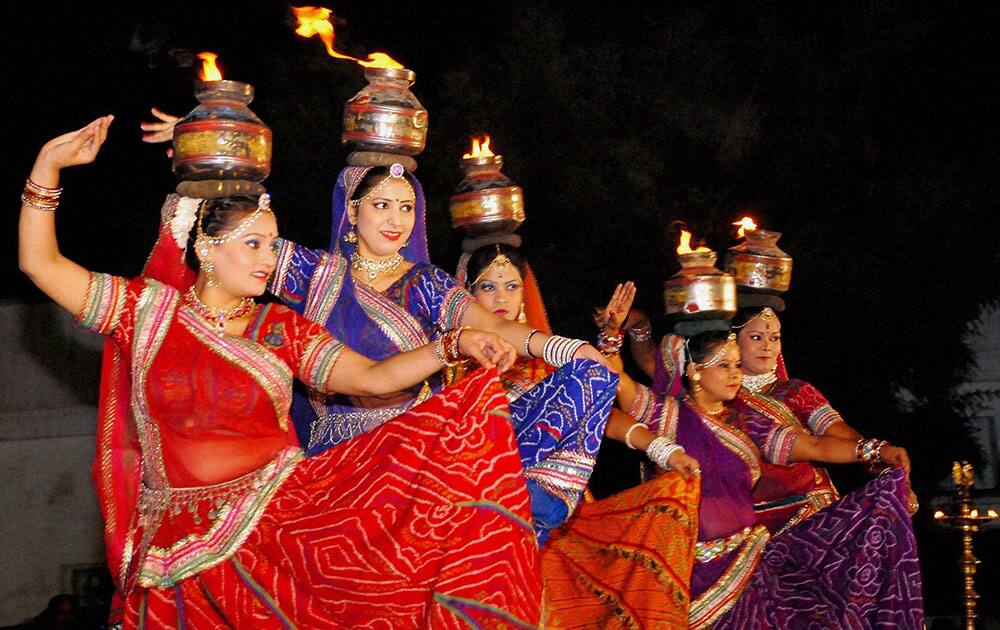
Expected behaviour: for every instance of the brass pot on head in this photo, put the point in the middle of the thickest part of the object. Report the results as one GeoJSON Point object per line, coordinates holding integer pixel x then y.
{"type": "Point", "coordinates": [221, 147]}
{"type": "Point", "coordinates": [759, 264]}
{"type": "Point", "coordinates": [486, 201]}
{"type": "Point", "coordinates": [699, 290]}
{"type": "Point", "coordinates": [385, 117]}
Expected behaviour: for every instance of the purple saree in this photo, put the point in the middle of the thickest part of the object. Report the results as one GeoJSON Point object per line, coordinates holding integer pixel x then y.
{"type": "Point", "coordinates": [851, 565]}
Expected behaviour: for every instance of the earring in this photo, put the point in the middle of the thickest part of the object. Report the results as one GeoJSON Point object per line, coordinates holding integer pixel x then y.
{"type": "Point", "coordinates": [406, 244]}
{"type": "Point", "coordinates": [207, 267]}
{"type": "Point", "coordinates": [351, 237]}
{"type": "Point", "coordinates": [521, 317]}
{"type": "Point", "coordinates": [695, 384]}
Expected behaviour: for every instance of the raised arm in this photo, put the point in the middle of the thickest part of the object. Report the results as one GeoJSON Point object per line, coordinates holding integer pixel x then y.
{"type": "Point", "coordinates": [356, 374]}
{"type": "Point", "coordinates": [38, 250]}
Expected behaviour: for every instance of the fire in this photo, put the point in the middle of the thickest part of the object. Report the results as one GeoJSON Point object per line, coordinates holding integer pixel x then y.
{"type": "Point", "coordinates": [479, 150]}
{"type": "Point", "coordinates": [209, 71]}
{"type": "Point", "coordinates": [745, 224]}
{"type": "Point", "coordinates": [316, 21]}
{"type": "Point", "coordinates": [685, 245]}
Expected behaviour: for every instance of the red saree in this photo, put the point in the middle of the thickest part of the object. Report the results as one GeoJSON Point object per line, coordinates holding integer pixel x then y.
{"type": "Point", "coordinates": [424, 522]}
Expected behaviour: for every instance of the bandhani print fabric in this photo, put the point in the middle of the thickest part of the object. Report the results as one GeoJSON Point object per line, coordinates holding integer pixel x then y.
{"type": "Point", "coordinates": [625, 561]}
{"type": "Point", "coordinates": [423, 522]}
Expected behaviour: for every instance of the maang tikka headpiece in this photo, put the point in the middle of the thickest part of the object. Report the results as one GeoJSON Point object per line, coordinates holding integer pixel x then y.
{"type": "Point", "coordinates": [501, 262]}
{"type": "Point", "coordinates": [202, 239]}
{"type": "Point", "coordinates": [715, 358]}
{"type": "Point", "coordinates": [767, 314]}
{"type": "Point", "coordinates": [396, 173]}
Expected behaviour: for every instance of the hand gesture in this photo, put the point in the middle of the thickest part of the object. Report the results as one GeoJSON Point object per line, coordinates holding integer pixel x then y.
{"type": "Point", "coordinates": [587, 351]}
{"type": "Point", "coordinates": [76, 147]}
{"type": "Point", "coordinates": [897, 457]}
{"type": "Point", "coordinates": [162, 131]}
{"type": "Point", "coordinates": [487, 349]}
{"type": "Point", "coordinates": [618, 308]}
{"type": "Point", "coordinates": [684, 464]}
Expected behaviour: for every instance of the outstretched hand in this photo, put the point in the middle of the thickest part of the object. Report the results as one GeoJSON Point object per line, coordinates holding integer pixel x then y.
{"type": "Point", "coordinates": [487, 349]}
{"type": "Point", "coordinates": [76, 147]}
{"type": "Point", "coordinates": [162, 131]}
{"type": "Point", "coordinates": [618, 307]}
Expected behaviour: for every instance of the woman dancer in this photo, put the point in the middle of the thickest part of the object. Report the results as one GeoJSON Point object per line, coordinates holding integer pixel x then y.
{"type": "Point", "coordinates": [853, 564]}
{"type": "Point", "coordinates": [213, 517]}
{"type": "Point", "coordinates": [377, 291]}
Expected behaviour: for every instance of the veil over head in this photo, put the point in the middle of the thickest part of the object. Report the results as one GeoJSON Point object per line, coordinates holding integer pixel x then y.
{"type": "Point", "coordinates": [348, 321]}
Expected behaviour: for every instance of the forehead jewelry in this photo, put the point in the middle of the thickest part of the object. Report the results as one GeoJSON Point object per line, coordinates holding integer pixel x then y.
{"type": "Point", "coordinates": [396, 173]}
{"type": "Point", "coordinates": [767, 315]}
{"type": "Point", "coordinates": [717, 357]}
{"type": "Point", "coordinates": [263, 205]}
{"type": "Point", "coordinates": [500, 262]}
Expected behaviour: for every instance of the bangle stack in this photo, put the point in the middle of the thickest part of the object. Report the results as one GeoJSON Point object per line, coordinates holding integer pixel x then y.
{"type": "Point", "coordinates": [558, 351]}
{"type": "Point", "coordinates": [609, 345]}
{"type": "Point", "coordinates": [628, 434]}
{"type": "Point", "coordinates": [446, 346]}
{"type": "Point", "coordinates": [527, 343]}
{"type": "Point", "coordinates": [40, 197]}
{"type": "Point", "coordinates": [640, 334]}
{"type": "Point", "coordinates": [869, 452]}
{"type": "Point", "coordinates": [660, 451]}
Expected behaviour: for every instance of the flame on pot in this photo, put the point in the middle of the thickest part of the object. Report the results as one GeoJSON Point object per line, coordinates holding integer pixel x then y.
{"type": "Point", "coordinates": [209, 71]}
{"type": "Point", "coordinates": [480, 148]}
{"type": "Point", "coordinates": [745, 224]}
{"type": "Point", "coordinates": [316, 21]}
{"type": "Point", "coordinates": [685, 244]}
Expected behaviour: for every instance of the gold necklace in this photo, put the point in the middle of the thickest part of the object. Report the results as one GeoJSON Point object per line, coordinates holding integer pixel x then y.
{"type": "Point", "coordinates": [374, 267]}
{"type": "Point", "coordinates": [218, 316]}
{"type": "Point", "coordinates": [713, 414]}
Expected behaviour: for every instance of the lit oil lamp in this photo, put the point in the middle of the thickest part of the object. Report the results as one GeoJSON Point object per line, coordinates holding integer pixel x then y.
{"type": "Point", "coordinates": [758, 263]}
{"type": "Point", "coordinates": [699, 290]}
{"type": "Point", "coordinates": [969, 521]}
{"type": "Point", "coordinates": [384, 117]}
{"type": "Point", "coordinates": [221, 147]}
{"type": "Point", "coordinates": [486, 201]}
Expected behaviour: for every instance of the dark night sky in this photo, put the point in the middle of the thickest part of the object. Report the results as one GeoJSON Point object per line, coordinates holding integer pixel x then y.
{"type": "Point", "coordinates": [865, 131]}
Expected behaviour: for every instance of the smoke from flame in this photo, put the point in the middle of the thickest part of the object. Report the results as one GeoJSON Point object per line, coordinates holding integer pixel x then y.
{"type": "Point", "coordinates": [480, 148]}
{"type": "Point", "coordinates": [745, 224]}
{"type": "Point", "coordinates": [685, 244]}
{"type": "Point", "coordinates": [209, 71]}
{"type": "Point", "coordinates": [316, 21]}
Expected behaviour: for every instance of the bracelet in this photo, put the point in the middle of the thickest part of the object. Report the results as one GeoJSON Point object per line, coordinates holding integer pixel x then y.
{"type": "Point", "coordinates": [641, 334]}
{"type": "Point", "coordinates": [527, 343]}
{"type": "Point", "coordinates": [36, 204]}
{"type": "Point", "coordinates": [453, 352]}
{"type": "Point", "coordinates": [869, 452]}
{"type": "Point", "coordinates": [558, 351]}
{"type": "Point", "coordinates": [42, 190]}
{"type": "Point", "coordinates": [40, 197]}
{"type": "Point", "coordinates": [438, 347]}
{"type": "Point", "coordinates": [609, 345]}
{"type": "Point", "coordinates": [628, 433]}
{"type": "Point", "coordinates": [661, 449]}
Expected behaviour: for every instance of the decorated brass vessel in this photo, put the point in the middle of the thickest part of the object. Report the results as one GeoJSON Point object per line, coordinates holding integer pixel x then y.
{"type": "Point", "coordinates": [486, 200]}
{"type": "Point", "coordinates": [221, 140]}
{"type": "Point", "coordinates": [385, 117]}
{"type": "Point", "coordinates": [757, 263]}
{"type": "Point", "coordinates": [699, 290]}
